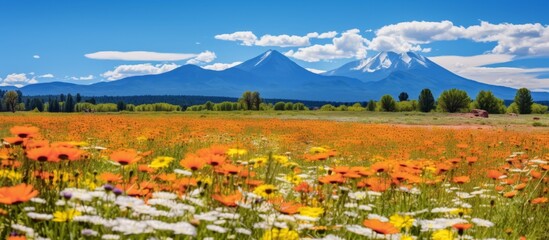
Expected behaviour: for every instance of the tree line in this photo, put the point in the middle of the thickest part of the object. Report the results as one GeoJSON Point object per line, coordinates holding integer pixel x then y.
{"type": "Point", "coordinates": [452, 100]}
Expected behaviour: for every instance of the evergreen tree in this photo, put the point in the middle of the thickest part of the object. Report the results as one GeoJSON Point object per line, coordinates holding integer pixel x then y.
{"type": "Point", "coordinates": [62, 98]}
{"type": "Point", "coordinates": [28, 105]}
{"type": "Point", "coordinates": [69, 104]}
{"type": "Point", "coordinates": [403, 96]}
{"type": "Point", "coordinates": [524, 101]}
{"type": "Point", "coordinates": [388, 104]}
{"type": "Point", "coordinates": [256, 101]}
{"type": "Point", "coordinates": [78, 98]}
{"type": "Point", "coordinates": [371, 106]}
{"type": "Point", "coordinates": [120, 106]}
{"type": "Point", "coordinates": [426, 100]}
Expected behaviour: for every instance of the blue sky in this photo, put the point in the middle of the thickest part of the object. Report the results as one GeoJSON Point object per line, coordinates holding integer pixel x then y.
{"type": "Point", "coordinates": [498, 42]}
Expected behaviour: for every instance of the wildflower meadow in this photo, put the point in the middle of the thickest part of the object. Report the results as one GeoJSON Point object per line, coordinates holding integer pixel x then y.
{"type": "Point", "coordinates": [192, 176]}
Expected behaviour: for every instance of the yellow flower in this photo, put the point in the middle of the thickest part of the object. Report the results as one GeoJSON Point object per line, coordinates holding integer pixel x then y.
{"type": "Point", "coordinates": [65, 216]}
{"type": "Point", "coordinates": [314, 150]}
{"type": "Point", "coordinates": [401, 221]}
{"type": "Point", "coordinates": [406, 237]}
{"type": "Point", "coordinates": [161, 162]}
{"type": "Point", "coordinates": [236, 152]}
{"type": "Point", "coordinates": [258, 161]}
{"type": "Point", "coordinates": [443, 234]}
{"type": "Point", "coordinates": [311, 211]}
{"type": "Point", "coordinates": [280, 234]}
{"type": "Point", "coordinates": [280, 159]}
{"type": "Point", "coordinates": [461, 211]}
{"type": "Point", "coordinates": [266, 191]}
{"type": "Point", "coordinates": [141, 138]}
{"type": "Point", "coordinates": [294, 179]}
{"type": "Point", "coordinates": [10, 174]}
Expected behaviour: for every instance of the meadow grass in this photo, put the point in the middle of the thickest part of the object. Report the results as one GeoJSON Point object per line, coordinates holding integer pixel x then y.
{"type": "Point", "coordinates": [273, 175]}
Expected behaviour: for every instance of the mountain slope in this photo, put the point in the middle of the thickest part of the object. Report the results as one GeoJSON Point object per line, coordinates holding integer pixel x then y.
{"type": "Point", "coordinates": [392, 73]}
{"type": "Point", "coordinates": [271, 73]}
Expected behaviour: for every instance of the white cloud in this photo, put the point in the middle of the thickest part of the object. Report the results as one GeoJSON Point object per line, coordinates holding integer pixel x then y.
{"type": "Point", "coordinates": [531, 39]}
{"type": "Point", "coordinates": [317, 71]}
{"type": "Point", "coordinates": [246, 37]}
{"type": "Point", "coordinates": [283, 41]}
{"type": "Point", "coordinates": [47, 75]}
{"type": "Point", "coordinates": [36, 56]}
{"type": "Point", "coordinates": [18, 80]}
{"type": "Point", "coordinates": [203, 57]}
{"type": "Point", "coordinates": [350, 44]}
{"type": "Point", "coordinates": [124, 71]}
{"type": "Point", "coordinates": [220, 66]}
{"type": "Point", "coordinates": [519, 39]}
{"type": "Point", "coordinates": [330, 34]}
{"type": "Point", "coordinates": [472, 67]}
{"type": "Point", "coordinates": [140, 56]}
{"type": "Point", "coordinates": [83, 78]}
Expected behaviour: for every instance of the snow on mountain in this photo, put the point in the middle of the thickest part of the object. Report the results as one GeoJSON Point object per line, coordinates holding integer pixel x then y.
{"type": "Point", "coordinates": [380, 66]}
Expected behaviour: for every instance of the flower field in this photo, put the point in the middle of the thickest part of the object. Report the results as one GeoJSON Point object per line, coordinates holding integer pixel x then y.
{"type": "Point", "coordinates": [176, 176]}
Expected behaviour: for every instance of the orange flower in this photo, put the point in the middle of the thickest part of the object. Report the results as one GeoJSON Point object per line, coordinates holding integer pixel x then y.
{"type": "Point", "coordinates": [461, 179]}
{"type": "Point", "coordinates": [192, 162]}
{"type": "Point", "coordinates": [303, 187]}
{"type": "Point", "coordinates": [471, 160]}
{"type": "Point", "coordinates": [380, 167]}
{"type": "Point", "coordinates": [462, 226]}
{"type": "Point", "coordinates": [125, 157]}
{"type": "Point", "coordinates": [14, 140]}
{"type": "Point", "coordinates": [16, 238]}
{"type": "Point", "coordinates": [494, 174]}
{"type": "Point", "coordinates": [67, 153]}
{"type": "Point", "coordinates": [110, 177]}
{"type": "Point", "coordinates": [375, 184]}
{"type": "Point", "coordinates": [43, 154]}
{"type": "Point", "coordinates": [24, 131]}
{"type": "Point", "coordinates": [341, 169]}
{"type": "Point", "coordinates": [510, 194]}
{"type": "Point", "coordinates": [17, 194]}
{"type": "Point", "coordinates": [336, 178]}
{"type": "Point", "coordinates": [228, 200]}
{"type": "Point", "coordinates": [289, 208]}
{"type": "Point", "coordinates": [520, 186]}
{"type": "Point", "coordinates": [380, 227]}
{"type": "Point", "coordinates": [144, 168]}
{"type": "Point", "coordinates": [539, 200]}
{"type": "Point", "coordinates": [228, 169]}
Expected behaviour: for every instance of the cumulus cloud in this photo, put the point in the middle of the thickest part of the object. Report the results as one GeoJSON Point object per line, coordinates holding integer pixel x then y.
{"type": "Point", "coordinates": [474, 67]}
{"type": "Point", "coordinates": [140, 56]}
{"type": "Point", "coordinates": [248, 38]}
{"type": "Point", "coordinates": [204, 57]}
{"type": "Point", "coordinates": [330, 34]}
{"type": "Point", "coordinates": [350, 44]}
{"type": "Point", "coordinates": [36, 56]}
{"type": "Point", "coordinates": [519, 39]}
{"type": "Point", "coordinates": [220, 66]}
{"type": "Point", "coordinates": [531, 39]}
{"type": "Point", "coordinates": [18, 80]}
{"type": "Point", "coordinates": [283, 41]}
{"type": "Point", "coordinates": [47, 75]}
{"type": "Point", "coordinates": [124, 71]}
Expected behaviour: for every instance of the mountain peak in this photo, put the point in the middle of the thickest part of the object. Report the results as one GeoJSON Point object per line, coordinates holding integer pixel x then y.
{"type": "Point", "coordinates": [269, 62]}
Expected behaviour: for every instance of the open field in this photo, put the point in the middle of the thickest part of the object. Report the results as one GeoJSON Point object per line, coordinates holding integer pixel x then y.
{"type": "Point", "coordinates": [274, 175]}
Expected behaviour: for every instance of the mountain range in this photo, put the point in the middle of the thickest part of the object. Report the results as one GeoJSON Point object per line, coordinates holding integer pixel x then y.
{"type": "Point", "coordinates": [276, 76]}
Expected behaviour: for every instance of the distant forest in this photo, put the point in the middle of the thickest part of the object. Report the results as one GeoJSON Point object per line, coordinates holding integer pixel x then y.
{"type": "Point", "coordinates": [183, 101]}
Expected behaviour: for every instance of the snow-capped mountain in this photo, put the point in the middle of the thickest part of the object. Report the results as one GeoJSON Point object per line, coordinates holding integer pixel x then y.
{"type": "Point", "coordinates": [276, 76]}
{"type": "Point", "coordinates": [381, 65]}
